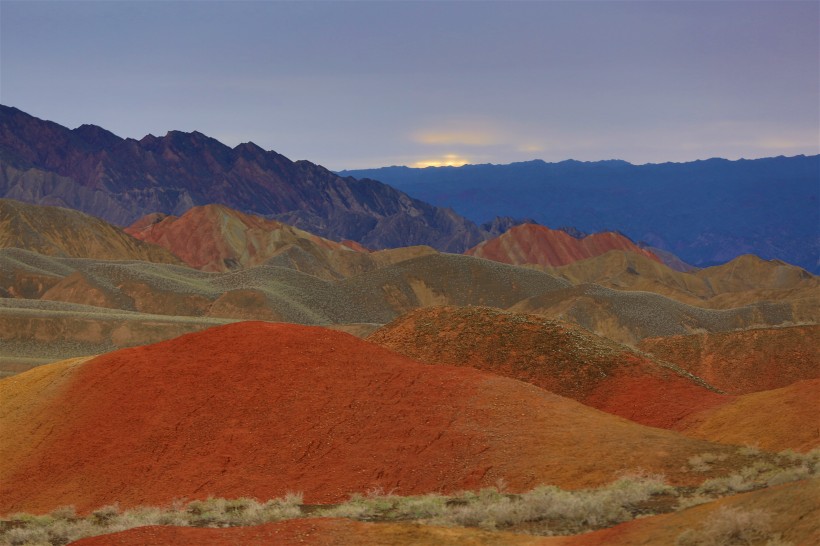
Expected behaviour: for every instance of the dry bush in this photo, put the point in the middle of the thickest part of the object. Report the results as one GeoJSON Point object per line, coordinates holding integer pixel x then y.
{"type": "Point", "coordinates": [730, 526]}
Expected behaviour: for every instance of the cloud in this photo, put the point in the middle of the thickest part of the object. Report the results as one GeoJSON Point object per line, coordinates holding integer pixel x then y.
{"type": "Point", "coordinates": [457, 138]}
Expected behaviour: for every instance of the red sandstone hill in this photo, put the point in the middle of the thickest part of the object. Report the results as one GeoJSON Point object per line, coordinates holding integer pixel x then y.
{"type": "Point", "coordinates": [539, 245]}
{"type": "Point", "coordinates": [260, 409]}
{"type": "Point", "coordinates": [745, 361]}
{"type": "Point", "coordinates": [554, 355]}
{"type": "Point", "coordinates": [216, 238]}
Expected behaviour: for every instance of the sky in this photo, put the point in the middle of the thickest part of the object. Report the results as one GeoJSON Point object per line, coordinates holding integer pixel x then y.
{"type": "Point", "coordinates": [368, 84]}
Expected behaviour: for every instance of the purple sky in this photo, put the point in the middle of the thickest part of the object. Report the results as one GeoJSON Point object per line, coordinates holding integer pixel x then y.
{"type": "Point", "coordinates": [368, 84]}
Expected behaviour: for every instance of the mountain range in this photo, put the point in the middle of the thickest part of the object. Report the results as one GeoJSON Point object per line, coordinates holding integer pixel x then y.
{"type": "Point", "coordinates": [707, 212]}
{"type": "Point", "coordinates": [120, 180]}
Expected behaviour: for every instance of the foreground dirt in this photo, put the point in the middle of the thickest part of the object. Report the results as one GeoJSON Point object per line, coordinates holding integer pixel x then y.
{"type": "Point", "coordinates": [260, 409]}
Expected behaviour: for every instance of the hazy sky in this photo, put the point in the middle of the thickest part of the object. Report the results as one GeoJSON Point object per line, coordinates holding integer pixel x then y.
{"type": "Point", "coordinates": [368, 84]}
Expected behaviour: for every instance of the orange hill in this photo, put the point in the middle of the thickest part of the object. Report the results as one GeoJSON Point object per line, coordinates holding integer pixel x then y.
{"type": "Point", "coordinates": [774, 420]}
{"type": "Point", "coordinates": [539, 245]}
{"type": "Point", "coordinates": [260, 409]}
{"type": "Point", "coordinates": [744, 361]}
{"type": "Point", "coordinates": [557, 356]}
{"type": "Point", "coordinates": [216, 238]}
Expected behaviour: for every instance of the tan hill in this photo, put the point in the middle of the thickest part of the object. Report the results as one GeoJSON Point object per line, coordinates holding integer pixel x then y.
{"type": "Point", "coordinates": [748, 272]}
{"type": "Point", "coordinates": [54, 231]}
{"type": "Point", "coordinates": [216, 238]}
{"type": "Point", "coordinates": [556, 356]}
{"type": "Point", "coordinates": [538, 245]}
{"type": "Point", "coordinates": [37, 332]}
{"type": "Point", "coordinates": [628, 317]}
{"type": "Point", "coordinates": [260, 409]}
{"type": "Point", "coordinates": [774, 420]}
{"type": "Point", "coordinates": [752, 280]}
{"type": "Point", "coordinates": [747, 361]}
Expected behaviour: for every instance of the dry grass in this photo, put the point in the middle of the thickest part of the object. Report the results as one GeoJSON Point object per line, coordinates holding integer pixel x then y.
{"type": "Point", "coordinates": [546, 510]}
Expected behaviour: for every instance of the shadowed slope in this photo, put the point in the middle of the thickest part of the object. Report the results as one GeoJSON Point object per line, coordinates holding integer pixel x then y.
{"type": "Point", "coordinates": [745, 361]}
{"type": "Point", "coordinates": [559, 357]}
{"type": "Point", "coordinates": [55, 231]}
{"type": "Point", "coordinates": [258, 409]}
{"type": "Point", "coordinates": [539, 245]}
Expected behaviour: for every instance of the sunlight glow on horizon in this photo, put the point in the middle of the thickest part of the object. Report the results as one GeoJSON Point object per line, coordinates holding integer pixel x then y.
{"type": "Point", "coordinates": [448, 160]}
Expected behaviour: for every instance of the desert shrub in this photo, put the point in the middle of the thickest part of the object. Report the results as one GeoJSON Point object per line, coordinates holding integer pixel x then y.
{"type": "Point", "coordinates": [64, 512]}
{"type": "Point", "coordinates": [704, 461]}
{"type": "Point", "coordinates": [423, 507]}
{"type": "Point", "coordinates": [789, 475]}
{"type": "Point", "coordinates": [26, 535]}
{"type": "Point", "coordinates": [104, 515]}
{"type": "Point", "coordinates": [734, 483]}
{"type": "Point", "coordinates": [749, 451]}
{"type": "Point", "coordinates": [729, 526]}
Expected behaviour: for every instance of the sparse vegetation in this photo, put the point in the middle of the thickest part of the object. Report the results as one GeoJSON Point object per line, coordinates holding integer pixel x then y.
{"type": "Point", "coordinates": [546, 510]}
{"type": "Point", "coordinates": [732, 526]}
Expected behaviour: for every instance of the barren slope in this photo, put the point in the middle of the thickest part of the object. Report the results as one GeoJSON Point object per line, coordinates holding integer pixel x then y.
{"type": "Point", "coordinates": [559, 357]}
{"type": "Point", "coordinates": [746, 361]}
{"type": "Point", "coordinates": [538, 245]}
{"type": "Point", "coordinates": [259, 409]}
{"type": "Point", "coordinates": [784, 418]}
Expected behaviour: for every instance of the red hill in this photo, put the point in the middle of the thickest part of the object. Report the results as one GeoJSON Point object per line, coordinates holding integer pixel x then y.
{"type": "Point", "coordinates": [538, 245]}
{"type": "Point", "coordinates": [554, 355]}
{"type": "Point", "coordinates": [260, 409]}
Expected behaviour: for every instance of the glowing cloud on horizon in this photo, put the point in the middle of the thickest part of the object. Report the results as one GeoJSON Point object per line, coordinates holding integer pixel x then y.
{"type": "Point", "coordinates": [448, 160]}
{"type": "Point", "coordinates": [457, 138]}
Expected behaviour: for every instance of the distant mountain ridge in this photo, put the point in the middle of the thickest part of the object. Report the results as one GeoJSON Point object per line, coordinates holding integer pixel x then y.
{"type": "Point", "coordinates": [705, 212]}
{"type": "Point", "coordinates": [119, 180]}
